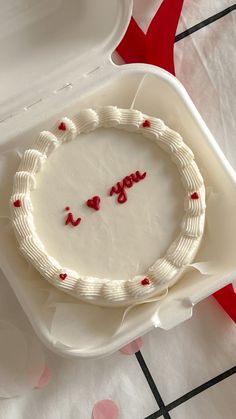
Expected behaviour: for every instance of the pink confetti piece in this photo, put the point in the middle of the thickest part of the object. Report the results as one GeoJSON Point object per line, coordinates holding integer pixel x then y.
{"type": "Point", "coordinates": [105, 409]}
{"type": "Point", "coordinates": [132, 347]}
{"type": "Point", "coordinates": [45, 378]}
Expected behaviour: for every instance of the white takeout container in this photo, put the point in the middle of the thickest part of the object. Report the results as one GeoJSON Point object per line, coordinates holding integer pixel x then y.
{"type": "Point", "coordinates": [56, 59]}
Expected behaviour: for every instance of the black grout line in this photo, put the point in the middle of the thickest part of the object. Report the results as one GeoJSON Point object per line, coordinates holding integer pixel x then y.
{"type": "Point", "coordinates": [154, 415]}
{"type": "Point", "coordinates": [193, 393]}
{"type": "Point", "coordinates": [152, 384]}
{"type": "Point", "coordinates": [204, 23]}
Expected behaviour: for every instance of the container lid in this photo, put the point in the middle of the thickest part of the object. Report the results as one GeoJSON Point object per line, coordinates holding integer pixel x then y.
{"type": "Point", "coordinates": [45, 45]}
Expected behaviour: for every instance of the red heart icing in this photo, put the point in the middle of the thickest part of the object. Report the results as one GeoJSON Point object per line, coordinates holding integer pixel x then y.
{"type": "Point", "coordinates": [94, 203]}
{"type": "Point", "coordinates": [195, 195]}
{"type": "Point", "coordinates": [62, 126]}
{"type": "Point", "coordinates": [63, 276]}
{"type": "Point", "coordinates": [17, 203]}
{"type": "Point", "coordinates": [146, 123]}
{"type": "Point", "coordinates": [145, 281]}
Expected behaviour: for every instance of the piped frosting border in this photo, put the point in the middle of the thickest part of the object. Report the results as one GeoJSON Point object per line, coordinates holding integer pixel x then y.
{"type": "Point", "coordinates": [166, 270]}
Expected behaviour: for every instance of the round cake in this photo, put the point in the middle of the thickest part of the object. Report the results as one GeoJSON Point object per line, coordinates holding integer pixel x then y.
{"type": "Point", "coordinates": [109, 206]}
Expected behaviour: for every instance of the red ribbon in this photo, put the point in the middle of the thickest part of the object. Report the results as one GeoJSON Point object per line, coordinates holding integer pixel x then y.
{"type": "Point", "coordinates": [160, 37]}
{"type": "Point", "coordinates": [157, 47]}
{"type": "Point", "coordinates": [226, 297]}
{"type": "Point", "coordinates": [132, 46]}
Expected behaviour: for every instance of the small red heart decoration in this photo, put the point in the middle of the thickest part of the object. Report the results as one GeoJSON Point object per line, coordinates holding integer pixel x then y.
{"type": "Point", "coordinates": [195, 195]}
{"type": "Point", "coordinates": [63, 276]}
{"type": "Point", "coordinates": [145, 281]}
{"type": "Point", "coordinates": [17, 203]}
{"type": "Point", "coordinates": [94, 203]}
{"type": "Point", "coordinates": [146, 124]}
{"type": "Point", "coordinates": [62, 126]}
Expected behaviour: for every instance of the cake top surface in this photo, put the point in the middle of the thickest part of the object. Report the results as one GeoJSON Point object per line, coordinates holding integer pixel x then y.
{"type": "Point", "coordinates": [109, 206]}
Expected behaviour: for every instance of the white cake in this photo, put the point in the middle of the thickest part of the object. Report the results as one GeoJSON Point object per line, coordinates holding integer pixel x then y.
{"type": "Point", "coordinates": [109, 206]}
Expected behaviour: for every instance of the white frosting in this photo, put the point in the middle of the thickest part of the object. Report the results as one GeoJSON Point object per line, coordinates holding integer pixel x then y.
{"type": "Point", "coordinates": [46, 143]}
{"type": "Point", "coordinates": [167, 269]}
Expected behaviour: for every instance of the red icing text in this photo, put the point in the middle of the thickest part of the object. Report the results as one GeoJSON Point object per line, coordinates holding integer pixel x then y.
{"type": "Point", "coordinates": [70, 220]}
{"type": "Point", "coordinates": [127, 182]}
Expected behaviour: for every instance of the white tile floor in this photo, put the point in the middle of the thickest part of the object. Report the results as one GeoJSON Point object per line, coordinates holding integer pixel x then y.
{"type": "Point", "coordinates": [218, 402]}
{"type": "Point", "coordinates": [192, 353]}
{"type": "Point", "coordinates": [205, 65]}
{"type": "Point", "coordinates": [193, 11]}
{"type": "Point", "coordinates": [117, 377]}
